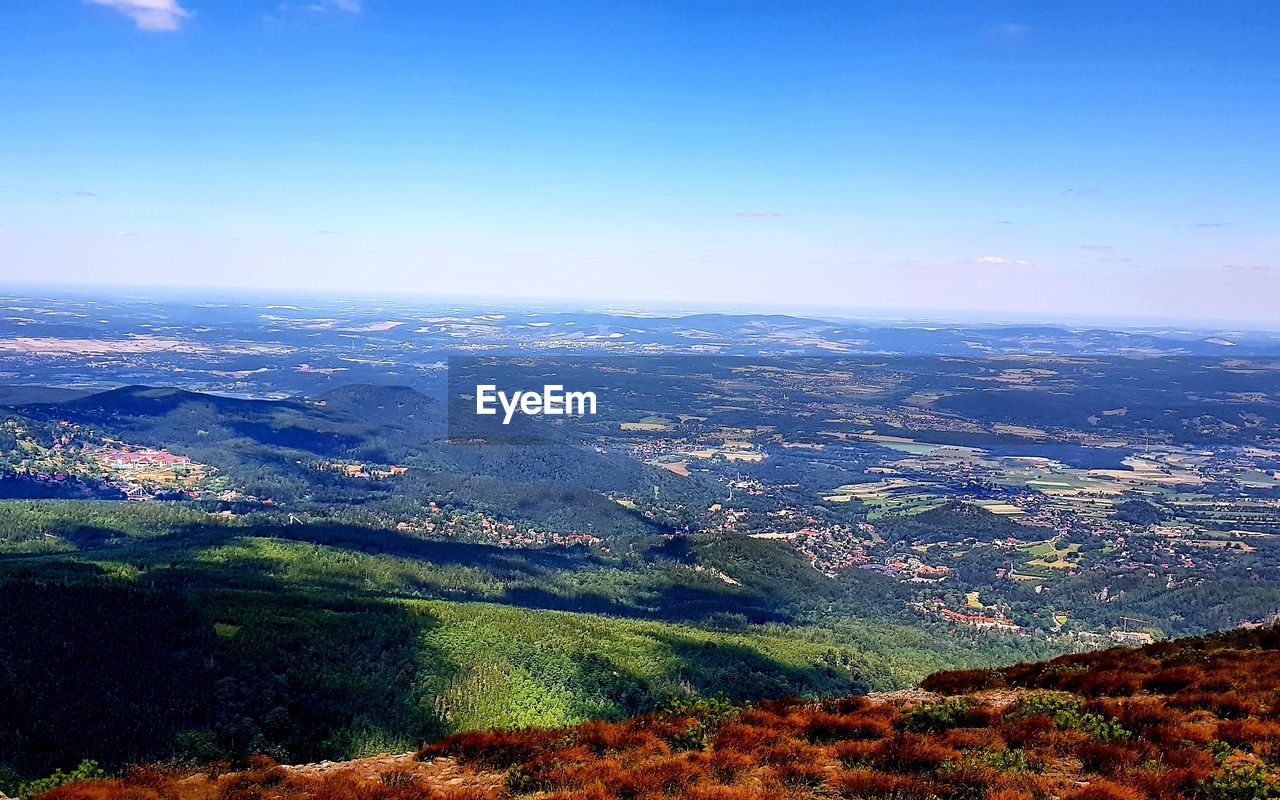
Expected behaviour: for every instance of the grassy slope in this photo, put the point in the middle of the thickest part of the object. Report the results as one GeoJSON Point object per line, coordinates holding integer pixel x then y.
{"type": "Point", "coordinates": [1195, 719]}
{"type": "Point", "coordinates": [318, 651]}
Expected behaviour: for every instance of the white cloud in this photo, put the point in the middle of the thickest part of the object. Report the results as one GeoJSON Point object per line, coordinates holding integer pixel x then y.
{"type": "Point", "coordinates": [999, 261]}
{"type": "Point", "coordinates": [149, 15]}
{"type": "Point", "coordinates": [1010, 34]}
{"type": "Point", "coordinates": [291, 10]}
{"type": "Point", "coordinates": [324, 6]}
{"type": "Point", "coordinates": [758, 214]}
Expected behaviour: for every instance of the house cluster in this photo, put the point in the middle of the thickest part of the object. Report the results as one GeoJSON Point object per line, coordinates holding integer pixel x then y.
{"type": "Point", "coordinates": [362, 470]}
{"type": "Point", "coordinates": [992, 621]}
{"type": "Point", "coordinates": [141, 472]}
{"type": "Point", "coordinates": [143, 458]}
{"type": "Point", "coordinates": [728, 517]}
{"type": "Point", "coordinates": [1135, 638]}
{"type": "Point", "coordinates": [476, 527]}
{"type": "Point", "coordinates": [91, 463]}
{"type": "Point", "coordinates": [830, 548]}
{"type": "Point", "coordinates": [233, 496]}
{"type": "Point", "coordinates": [980, 621]}
{"type": "Point", "coordinates": [909, 568]}
{"type": "Point", "coordinates": [28, 457]}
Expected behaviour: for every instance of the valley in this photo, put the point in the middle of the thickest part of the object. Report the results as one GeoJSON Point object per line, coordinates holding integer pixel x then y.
{"type": "Point", "coordinates": [342, 569]}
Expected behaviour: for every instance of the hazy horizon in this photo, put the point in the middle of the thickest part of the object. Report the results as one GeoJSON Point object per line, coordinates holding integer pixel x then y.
{"type": "Point", "coordinates": [251, 296]}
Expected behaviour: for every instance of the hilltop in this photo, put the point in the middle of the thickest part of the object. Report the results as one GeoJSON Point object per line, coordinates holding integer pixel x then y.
{"type": "Point", "coordinates": [1194, 718]}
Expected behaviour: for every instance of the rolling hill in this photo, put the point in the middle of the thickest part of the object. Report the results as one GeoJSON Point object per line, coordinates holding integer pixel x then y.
{"type": "Point", "coordinates": [1194, 719]}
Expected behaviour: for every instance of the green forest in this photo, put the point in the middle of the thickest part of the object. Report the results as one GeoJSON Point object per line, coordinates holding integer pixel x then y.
{"type": "Point", "coordinates": [191, 641]}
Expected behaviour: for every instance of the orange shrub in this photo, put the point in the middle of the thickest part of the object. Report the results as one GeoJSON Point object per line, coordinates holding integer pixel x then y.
{"type": "Point", "coordinates": [823, 727]}
{"type": "Point", "coordinates": [1009, 794]}
{"type": "Point", "coordinates": [743, 737]}
{"type": "Point", "coordinates": [1248, 732]}
{"type": "Point", "coordinates": [973, 738]}
{"type": "Point", "coordinates": [913, 752]}
{"type": "Point", "coordinates": [726, 765]}
{"type": "Point", "coordinates": [865, 783]}
{"type": "Point", "coordinates": [606, 737]}
{"type": "Point", "coordinates": [1027, 731]}
{"type": "Point", "coordinates": [1104, 790]}
{"type": "Point", "coordinates": [500, 748]}
{"type": "Point", "coordinates": [100, 790]}
{"type": "Point", "coordinates": [964, 681]}
{"type": "Point", "coordinates": [1172, 679]}
{"type": "Point", "coordinates": [662, 777]}
{"type": "Point", "coordinates": [1108, 758]}
{"type": "Point", "coordinates": [709, 791]}
{"type": "Point", "coordinates": [855, 752]}
{"type": "Point", "coordinates": [801, 773]}
{"type": "Point", "coordinates": [594, 792]}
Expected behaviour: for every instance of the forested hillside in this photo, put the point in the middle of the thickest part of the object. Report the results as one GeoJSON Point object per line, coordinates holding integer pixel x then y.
{"type": "Point", "coordinates": [162, 632]}
{"type": "Point", "coordinates": [1195, 719]}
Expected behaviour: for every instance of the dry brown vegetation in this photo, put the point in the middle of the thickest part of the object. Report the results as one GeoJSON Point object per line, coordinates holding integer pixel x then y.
{"type": "Point", "coordinates": [1196, 719]}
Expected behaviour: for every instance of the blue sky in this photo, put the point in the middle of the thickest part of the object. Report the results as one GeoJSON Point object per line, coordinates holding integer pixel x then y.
{"type": "Point", "coordinates": [1028, 159]}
